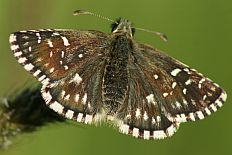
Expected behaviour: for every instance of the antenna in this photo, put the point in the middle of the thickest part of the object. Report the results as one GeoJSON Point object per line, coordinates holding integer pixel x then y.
{"type": "Point", "coordinates": [159, 34]}
{"type": "Point", "coordinates": [83, 12]}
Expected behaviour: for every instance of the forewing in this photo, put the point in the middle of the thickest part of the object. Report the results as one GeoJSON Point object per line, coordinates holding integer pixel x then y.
{"type": "Point", "coordinates": [69, 64]}
{"type": "Point", "coordinates": [185, 94]}
{"type": "Point", "coordinates": [56, 53]}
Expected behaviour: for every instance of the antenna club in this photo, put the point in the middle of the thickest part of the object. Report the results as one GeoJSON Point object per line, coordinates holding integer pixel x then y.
{"type": "Point", "coordinates": [160, 35]}
{"type": "Point", "coordinates": [163, 37]}
{"type": "Point", "coordinates": [80, 12]}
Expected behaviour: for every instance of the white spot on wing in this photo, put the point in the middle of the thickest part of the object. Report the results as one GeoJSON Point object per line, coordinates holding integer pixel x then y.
{"type": "Point", "coordinates": [38, 59]}
{"type": "Point", "coordinates": [209, 94]}
{"type": "Point", "coordinates": [175, 72]}
{"type": "Point", "coordinates": [187, 70]}
{"type": "Point", "coordinates": [191, 116]}
{"type": "Point", "coordinates": [156, 76]}
{"type": "Point", "coordinates": [79, 117]}
{"type": "Point", "coordinates": [69, 114]}
{"type": "Point", "coordinates": [223, 96]}
{"type": "Point", "coordinates": [67, 97]}
{"type": "Point", "coordinates": [37, 73]}
{"type": "Point", "coordinates": [62, 94]}
{"type": "Point", "coordinates": [153, 120]}
{"type": "Point", "coordinates": [17, 54]}
{"type": "Point", "coordinates": [188, 82]}
{"type": "Point", "coordinates": [84, 99]}
{"type": "Point", "coordinates": [184, 91]}
{"type": "Point", "coordinates": [77, 97]}
{"type": "Point", "coordinates": [165, 94]}
{"type": "Point", "coordinates": [135, 132]}
{"type": "Point", "coordinates": [181, 118]}
{"type": "Point", "coordinates": [56, 34]}
{"type": "Point", "coordinates": [204, 97]}
{"type": "Point", "coordinates": [213, 107]}
{"type": "Point", "coordinates": [33, 30]}
{"type": "Point", "coordinates": [12, 38]}
{"type": "Point", "coordinates": [51, 53]}
{"type": "Point", "coordinates": [171, 130]}
{"type": "Point", "coordinates": [42, 78]}
{"type": "Point", "coordinates": [89, 105]}
{"type": "Point", "coordinates": [26, 43]}
{"type": "Point", "coordinates": [45, 81]}
{"type": "Point", "coordinates": [150, 99]}
{"type": "Point", "coordinates": [146, 134]}
{"type": "Point", "coordinates": [65, 40]}
{"type": "Point", "coordinates": [80, 55]}
{"type": "Point", "coordinates": [47, 96]}
{"type": "Point", "coordinates": [50, 43]}
{"type": "Point", "coordinates": [207, 111]}
{"type": "Point", "coordinates": [29, 67]}
{"type": "Point", "coordinates": [145, 116]}
{"type": "Point", "coordinates": [62, 54]}
{"type": "Point", "coordinates": [124, 128]}
{"type": "Point", "coordinates": [174, 85]}
{"type": "Point", "coordinates": [137, 113]}
{"type": "Point", "coordinates": [39, 37]}
{"type": "Point", "coordinates": [178, 105]}
{"type": "Point", "coordinates": [199, 86]}
{"type": "Point", "coordinates": [185, 102]}
{"type": "Point", "coordinates": [200, 115]}
{"type": "Point", "coordinates": [52, 70]}
{"type": "Point", "coordinates": [216, 85]}
{"type": "Point", "coordinates": [158, 118]}
{"type": "Point", "coordinates": [171, 92]}
{"type": "Point", "coordinates": [219, 103]}
{"type": "Point", "coordinates": [22, 60]}
{"type": "Point", "coordinates": [88, 119]}
{"type": "Point", "coordinates": [57, 107]}
{"type": "Point", "coordinates": [202, 80]}
{"type": "Point", "coordinates": [65, 67]}
{"type": "Point", "coordinates": [14, 47]}
{"type": "Point", "coordinates": [77, 79]}
{"type": "Point", "coordinates": [159, 134]}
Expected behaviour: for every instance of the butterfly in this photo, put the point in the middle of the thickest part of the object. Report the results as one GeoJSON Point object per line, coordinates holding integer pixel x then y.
{"type": "Point", "coordinates": [89, 76]}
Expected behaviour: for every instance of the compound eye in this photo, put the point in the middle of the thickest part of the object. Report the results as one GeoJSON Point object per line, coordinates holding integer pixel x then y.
{"type": "Point", "coordinates": [114, 26]}
{"type": "Point", "coordinates": [133, 31]}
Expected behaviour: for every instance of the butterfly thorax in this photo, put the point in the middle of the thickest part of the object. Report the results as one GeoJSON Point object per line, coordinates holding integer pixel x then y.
{"type": "Point", "coordinates": [115, 82]}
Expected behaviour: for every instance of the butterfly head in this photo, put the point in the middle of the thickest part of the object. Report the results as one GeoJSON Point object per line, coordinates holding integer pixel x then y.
{"type": "Point", "coordinates": [123, 26]}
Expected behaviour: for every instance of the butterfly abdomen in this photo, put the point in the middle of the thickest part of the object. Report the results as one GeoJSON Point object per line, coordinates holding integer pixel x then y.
{"type": "Point", "coordinates": [116, 74]}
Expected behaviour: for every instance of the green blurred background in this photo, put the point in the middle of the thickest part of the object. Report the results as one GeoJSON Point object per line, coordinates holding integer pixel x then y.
{"type": "Point", "coordinates": [200, 35]}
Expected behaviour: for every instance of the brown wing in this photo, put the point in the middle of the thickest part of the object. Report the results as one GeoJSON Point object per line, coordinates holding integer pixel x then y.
{"type": "Point", "coordinates": [141, 112]}
{"type": "Point", "coordinates": [57, 53]}
{"type": "Point", "coordinates": [164, 92]}
{"type": "Point", "coordinates": [69, 64]}
{"type": "Point", "coordinates": [188, 95]}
